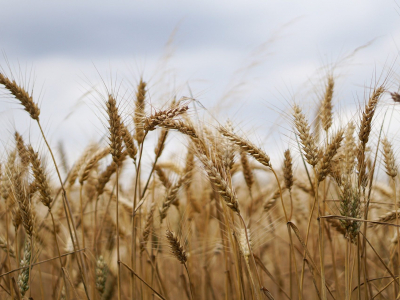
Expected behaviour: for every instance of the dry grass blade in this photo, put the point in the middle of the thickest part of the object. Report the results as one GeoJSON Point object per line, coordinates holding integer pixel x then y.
{"type": "Point", "coordinates": [313, 278]}
{"type": "Point", "coordinates": [262, 266]}
{"type": "Point", "coordinates": [149, 286]}
{"type": "Point", "coordinates": [381, 260]}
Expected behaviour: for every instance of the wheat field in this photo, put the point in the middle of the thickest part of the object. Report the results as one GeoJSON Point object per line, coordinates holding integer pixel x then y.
{"type": "Point", "coordinates": [221, 220]}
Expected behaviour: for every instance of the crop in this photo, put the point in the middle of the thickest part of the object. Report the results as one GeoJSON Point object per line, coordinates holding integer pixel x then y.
{"type": "Point", "coordinates": [220, 220]}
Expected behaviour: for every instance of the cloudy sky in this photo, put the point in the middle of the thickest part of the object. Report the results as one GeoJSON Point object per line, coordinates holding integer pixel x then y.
{"type": "Point", "coordinates": [246, 60]}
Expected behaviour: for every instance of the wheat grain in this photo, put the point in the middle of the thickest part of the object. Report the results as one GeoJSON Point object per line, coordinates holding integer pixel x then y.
{"type": "Point", "coordinates": [22, 95]}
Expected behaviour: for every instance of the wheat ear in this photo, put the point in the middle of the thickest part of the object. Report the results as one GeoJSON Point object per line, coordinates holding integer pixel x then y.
{"type": "Point", "coordinates": [115, 137]}
{"type": "Point", "coordinates": [303, 131]}
{"type": "Point", "coordinates": [247, 146]}
{"type": "Point", "coordinates": [139, 111]}
{"type": "Point", "coordinates": [326, 105]}
{"type": "Point", "coordinates": [22, 95]}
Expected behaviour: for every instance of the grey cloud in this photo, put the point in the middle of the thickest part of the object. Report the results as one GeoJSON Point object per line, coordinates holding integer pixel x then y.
{"type": "Point", "coordinates": [89, 30]}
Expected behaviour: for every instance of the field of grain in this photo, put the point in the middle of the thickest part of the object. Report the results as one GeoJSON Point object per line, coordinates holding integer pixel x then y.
{"type": "Point", "coordinates": [220, 220]}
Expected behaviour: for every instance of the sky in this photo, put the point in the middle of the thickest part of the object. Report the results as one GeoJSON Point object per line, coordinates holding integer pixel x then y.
{"type": "Point", "coordinates": [244, 60]}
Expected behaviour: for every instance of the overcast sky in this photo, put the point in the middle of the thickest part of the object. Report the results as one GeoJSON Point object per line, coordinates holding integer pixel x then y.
{"type": "Point", "coordinates": [247, 60]}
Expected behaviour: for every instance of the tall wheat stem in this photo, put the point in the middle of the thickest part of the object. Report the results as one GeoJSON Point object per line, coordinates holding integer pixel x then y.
{"type": "Point", "coordinates": [133, 239]}
{"type": "Point", "coordinates": [307, 235]}
{"type": "Point", "coordinates": [254, 262]}
{"type": "Point", "coordinates": [321, 240]}
{"type": "Point", "coordinates": [67, 206]}
{"type": "Point", "coordinates": [58, 250]}
{"type": "Point", "coordinates": [8, 251]}
{"type": "Point", "coordinates": [397, 223]}
{"type": "Point", "coordinates": [292, 252]}
{"type": "Point", "coordinates": [118, 250]}
{"type": "Point", "coordinates": [190, 282]}
{"type": "Point", "coordinates": [81, 209]}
